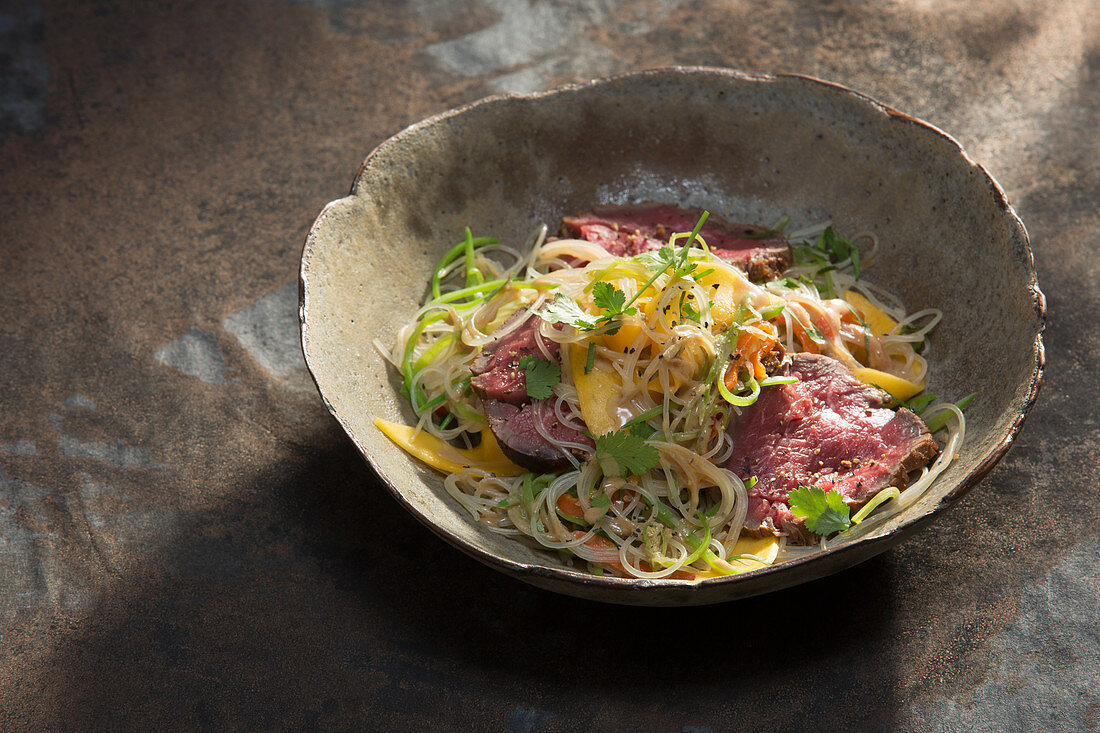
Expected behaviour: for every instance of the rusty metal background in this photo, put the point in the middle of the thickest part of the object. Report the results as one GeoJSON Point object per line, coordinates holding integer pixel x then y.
{"type": "Point", "coordinates": [187, 539]}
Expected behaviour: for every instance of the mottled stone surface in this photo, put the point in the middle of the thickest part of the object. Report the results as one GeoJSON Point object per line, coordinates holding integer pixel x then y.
{"type": "Point", "coordinates": [212, 552]}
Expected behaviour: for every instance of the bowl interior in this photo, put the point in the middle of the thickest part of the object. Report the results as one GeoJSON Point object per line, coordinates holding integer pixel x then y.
{"type": "Point", "coordinates": [751, 148]}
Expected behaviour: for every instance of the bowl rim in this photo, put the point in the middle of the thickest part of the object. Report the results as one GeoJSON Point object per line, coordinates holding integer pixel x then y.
{"type": "Point", "coordinates": [560, 579]}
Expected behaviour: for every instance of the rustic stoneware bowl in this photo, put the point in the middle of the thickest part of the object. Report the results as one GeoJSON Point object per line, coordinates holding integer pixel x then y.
{"type": "Point", "coordinates": [750, 147]}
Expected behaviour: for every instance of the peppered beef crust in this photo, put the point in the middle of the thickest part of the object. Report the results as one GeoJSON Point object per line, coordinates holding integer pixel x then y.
{"type": "Point", "coordinates": [629, 229]}
{"type": "Point", "coordinates": [514, 417]}
{"type": "Point", "coordinates": [828, 430]}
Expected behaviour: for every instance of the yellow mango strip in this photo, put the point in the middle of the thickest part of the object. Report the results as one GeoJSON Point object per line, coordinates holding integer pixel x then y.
{"type": "Point", "coordinates": [622, 339]}
{"type": "Point", "coordinates": [725, 298]}
{"type": "Point", "coordinates": [487, 456]}
{"type": "Point", "coordinates": [732, 289]}
{"type": "Point", "coordinates": [880, 323]}
{"type": "Point", "coordinates": [658, 391]}
{"type": "Point", "coordinates": [899, 388]}
{"type": "Point", "coordinates": [766, 547]}
{"type": "Point", "coordinates": [598, 392]}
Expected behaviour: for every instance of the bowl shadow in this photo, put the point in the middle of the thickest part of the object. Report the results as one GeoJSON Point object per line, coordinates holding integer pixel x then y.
{"type": "Point", "coordinates": [310, 597]}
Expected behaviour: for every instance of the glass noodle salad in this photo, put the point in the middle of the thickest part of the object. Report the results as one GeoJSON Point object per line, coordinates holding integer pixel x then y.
{"type": "Point", "coordinates": [588, 396]}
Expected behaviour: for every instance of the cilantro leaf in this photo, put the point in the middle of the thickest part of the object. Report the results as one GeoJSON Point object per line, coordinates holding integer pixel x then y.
{"type": "Point", "coordinates": [612, 302]}
{"type": "Point", "coordinates": [824, 513]}
{"type": "Point", "coordinates": [609, 298]}
{"type": "Point", "coordinates": [624, 453]}
{"type": "Point", "coordinates": [564, 309]}
{"type": "Point", "coordinates": [540, 375]}
{"type": "Point", "coordinates": [838, 247]}
{"type": "Point", "coordinates": [831, 249]}
{"type": "Point", "coordinates": [666, 256]}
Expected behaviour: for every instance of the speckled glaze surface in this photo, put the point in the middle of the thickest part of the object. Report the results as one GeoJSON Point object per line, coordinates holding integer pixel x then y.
{"type": "Point", "coordinates": [750, 147]}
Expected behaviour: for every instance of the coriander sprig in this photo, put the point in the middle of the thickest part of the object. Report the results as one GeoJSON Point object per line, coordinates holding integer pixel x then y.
{"type": "Point", "coordinates": [609, 299]}
{"type": "Point", "coordinates": [540, 376]}
{"type": "Point", "coordinates": [625, 453]}
{"type": "Point", "coordinates": [825, 513]}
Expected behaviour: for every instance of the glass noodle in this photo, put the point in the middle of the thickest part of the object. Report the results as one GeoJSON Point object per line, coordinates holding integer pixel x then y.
{"type": "Point", "coordinates": [660, 374]}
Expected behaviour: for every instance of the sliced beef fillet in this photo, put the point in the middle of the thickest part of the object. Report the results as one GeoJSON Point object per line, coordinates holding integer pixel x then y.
{"type": "Point", "coordinates": [514, 417]}
{"type": "Point", "coordinates": [828, 430]}
{"type": "Point", "coordinates": [497, 375]}
{"type": "Point", "coordinates": [628, 230]}
{"type": "Point", "coordinates": [516, 428]}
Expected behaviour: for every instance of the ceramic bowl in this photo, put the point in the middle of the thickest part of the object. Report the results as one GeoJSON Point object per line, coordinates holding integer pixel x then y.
{"type": "Point", "coordinates": [750, 147]}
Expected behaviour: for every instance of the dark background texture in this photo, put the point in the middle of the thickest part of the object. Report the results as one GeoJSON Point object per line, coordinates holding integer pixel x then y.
{"type": "Point", "coordinates": [187, 539]}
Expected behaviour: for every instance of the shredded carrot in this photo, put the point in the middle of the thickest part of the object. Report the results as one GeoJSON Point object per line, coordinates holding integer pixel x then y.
{"type": "Point", "coordinates": [570, 506]}
{"type": "Point", "coordinates": [808, 344]}
{"type": "Point", "coordinates": [748, 352]}
{"type": "Point", "coordinates": [758, 369]}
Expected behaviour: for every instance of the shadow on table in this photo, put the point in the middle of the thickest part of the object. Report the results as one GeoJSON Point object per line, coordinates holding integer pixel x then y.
{"type": "Point", "coordinates": [310, 597]}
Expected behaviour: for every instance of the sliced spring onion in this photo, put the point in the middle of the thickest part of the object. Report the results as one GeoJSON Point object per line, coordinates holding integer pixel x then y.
{"type": "Point", "coordinates": [478, 289]}
{"type": "Point", "coordinates": [702, 545]}
{"type": "Point", "coordinates": [771, 311]}
{"type": "Point", "coordinates": [409, 372]}
{"type": "Point", "coordinates": [473, 275]}
{"type": "Point", "coordinates": [433, 351]}
{"type": "Point", "coordinates": [880, 498]}
{"type": "Point", "coordinates": [737, 400]}
{"type": "Point", "coordinates": [665, 516]}
{"type": "Point", "coordinates": [439, 399]}
{"type": "Point", "coordinates": [644, 416]}
{"type": "Point", "coordinates": [937, 421]}
{"type": "Point", "coordinates": [920, 403]}
{"type": "Point", "coordinates": [453, 254]}
{"type": "Point", "coordinates": [772, 381]}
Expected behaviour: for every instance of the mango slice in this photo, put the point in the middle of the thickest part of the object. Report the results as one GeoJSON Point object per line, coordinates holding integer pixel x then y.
{"type": "Point", "coordinates": [899, 388]}
{"type": "Point", "coordinates": [487, 456]}
{"type": "Point", "coordinates": [880, 323]}
{"type": "Point", "coordinates": [766, 547]}
{"type": "Point", "coordinates": [622, 339]}
{"type": "Point", "coordinates": [598, 392]}
{"type": "Point", "coordinates": [731, 290]}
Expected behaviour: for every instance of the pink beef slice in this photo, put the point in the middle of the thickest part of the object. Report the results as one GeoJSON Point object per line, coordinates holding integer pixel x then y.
{"type": "Point", "coordinates": [497, 375]}
{"type": "Point", "coordinates": [828, 430]}
{"type": "Point", "coordinates": [627, 230]}
{"type": "Point", "coordinates": [516, 432]}
{"type": "Point", "coordinates": [513, 416]}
